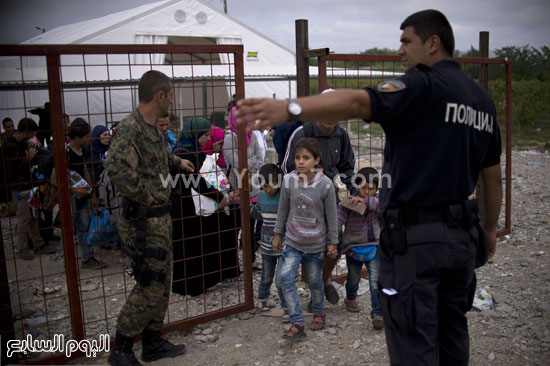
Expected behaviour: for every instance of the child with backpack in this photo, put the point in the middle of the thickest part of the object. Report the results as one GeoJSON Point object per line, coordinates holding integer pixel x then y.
{"type": "Point", "coordinates": [360, 241]}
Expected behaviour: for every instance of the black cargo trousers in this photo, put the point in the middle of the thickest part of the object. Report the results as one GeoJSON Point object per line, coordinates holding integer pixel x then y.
{"type": "Point", "coordinates": [425, 293]}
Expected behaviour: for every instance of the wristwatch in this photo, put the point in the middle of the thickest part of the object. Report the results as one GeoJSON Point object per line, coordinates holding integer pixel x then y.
{"type": "Point", "coordinates": [294, 110]}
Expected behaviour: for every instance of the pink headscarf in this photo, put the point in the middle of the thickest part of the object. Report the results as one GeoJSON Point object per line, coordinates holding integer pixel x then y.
{"type": "Point", "coordinates": [232, 120]}
{"type": "Point", "coordinates": [216, 135]}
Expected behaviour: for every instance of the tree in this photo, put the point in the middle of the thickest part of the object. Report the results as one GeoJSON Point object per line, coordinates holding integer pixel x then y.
{"type": "Point", "coordinates": [527, 61]}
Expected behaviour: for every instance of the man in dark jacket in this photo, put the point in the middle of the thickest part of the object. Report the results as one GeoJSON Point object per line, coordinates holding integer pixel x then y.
{"type": "Point", "coordinates": [19, 156]}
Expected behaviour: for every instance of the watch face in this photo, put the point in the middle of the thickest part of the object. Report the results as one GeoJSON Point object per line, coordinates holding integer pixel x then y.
{"type": "Point", "coordinates": [294, 109]}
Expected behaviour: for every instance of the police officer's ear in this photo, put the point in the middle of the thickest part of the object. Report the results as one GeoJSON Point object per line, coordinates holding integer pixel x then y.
{"type": "Point", "coordinates": [434, 44]}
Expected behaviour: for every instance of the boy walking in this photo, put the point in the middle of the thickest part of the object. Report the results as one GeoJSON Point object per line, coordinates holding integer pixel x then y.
{"type": "Point", "coordinates": [360, 243]}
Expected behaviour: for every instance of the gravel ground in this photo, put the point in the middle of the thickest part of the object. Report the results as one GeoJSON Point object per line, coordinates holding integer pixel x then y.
{"type": "Point", "coordinates": [514, 331]}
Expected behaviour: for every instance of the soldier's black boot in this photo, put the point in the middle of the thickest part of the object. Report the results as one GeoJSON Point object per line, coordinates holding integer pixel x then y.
{"type": "Point", "coordinates": [155, 347]}
{"type": "Point", "coordinates": [122, 354]}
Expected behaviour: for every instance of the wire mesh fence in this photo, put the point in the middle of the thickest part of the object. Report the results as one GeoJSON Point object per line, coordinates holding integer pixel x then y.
{"type": "Point", "coordinates": [62, 271]}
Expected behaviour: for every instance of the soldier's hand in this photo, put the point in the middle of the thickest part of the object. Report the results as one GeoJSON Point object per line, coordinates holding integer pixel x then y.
{"type": "Point", "coordinates": [260, 113]}
{"type": "Point", "coordinates": [187, 165]}
{"type": "Point", "coordinates": [148, 202]}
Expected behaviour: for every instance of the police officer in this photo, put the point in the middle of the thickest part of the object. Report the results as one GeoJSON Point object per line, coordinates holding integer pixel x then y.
{"type": "Point", "coordinates": [135, 161]}
{"type": "Point", "coordinates": [441, 135]}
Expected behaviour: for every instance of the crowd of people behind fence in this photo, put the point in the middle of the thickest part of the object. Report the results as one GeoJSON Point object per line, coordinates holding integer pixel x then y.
{"type": "Point", "coordinates": [205, 248]}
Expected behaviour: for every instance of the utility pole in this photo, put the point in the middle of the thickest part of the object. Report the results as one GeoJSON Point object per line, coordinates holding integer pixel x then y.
{"type": "Point", "coordinates": [225, 6]}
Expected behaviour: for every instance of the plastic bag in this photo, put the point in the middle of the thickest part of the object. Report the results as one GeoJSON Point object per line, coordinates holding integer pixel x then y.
{"type": "Point", "coordinates": [213, 174]}
{"type": "Point", "coordinates": [483, 300]}
{"type": "Point", "coordinates": [204, 206]}
{"type": "Point", "coordinates": [100, 229]}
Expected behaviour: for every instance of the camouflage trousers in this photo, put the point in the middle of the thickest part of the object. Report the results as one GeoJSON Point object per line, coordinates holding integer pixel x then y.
{"type": "Point", "coordinates": [146, 305]}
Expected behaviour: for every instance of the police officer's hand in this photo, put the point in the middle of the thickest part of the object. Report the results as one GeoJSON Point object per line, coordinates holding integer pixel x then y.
{"type": "Point", "coordinates": [332, 251]}
{"type": "Point", "coordinates": [187, 165]}
{"type": "Point", "coordinates": [492, 241]}
{"type": "Point", "coordinates": [276, 243]}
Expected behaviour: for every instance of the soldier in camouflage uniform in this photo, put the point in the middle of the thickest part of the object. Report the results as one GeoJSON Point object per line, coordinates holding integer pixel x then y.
{"type": "Point", "coordinates": [135, 162]}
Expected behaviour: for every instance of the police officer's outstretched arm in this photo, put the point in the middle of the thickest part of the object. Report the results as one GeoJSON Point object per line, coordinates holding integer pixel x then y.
{"type": "Point", "coordinates": [491, 182]}
{"type": "Point", "coordinates": [337, 106]}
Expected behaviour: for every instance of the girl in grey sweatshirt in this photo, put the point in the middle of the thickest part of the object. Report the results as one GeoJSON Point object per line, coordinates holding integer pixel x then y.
{"type": "Point", "coordinates": [307, 214]}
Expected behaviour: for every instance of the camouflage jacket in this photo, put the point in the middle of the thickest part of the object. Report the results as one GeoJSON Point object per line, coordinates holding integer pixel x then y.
{"type": "Point", "coordinates": [137, 159]}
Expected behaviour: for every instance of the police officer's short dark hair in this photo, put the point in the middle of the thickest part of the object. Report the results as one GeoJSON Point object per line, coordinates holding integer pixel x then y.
{"type": "Point", "coordinates": [271, 173]}
{"type": "Point", "coordinates": [27, 125]}
{"type": "Point", "coordinates": [152, 82]}
{"type": "Point", "coordinates": [78, 128]}
{"type": "Point", "coordinates": [366, 175]}
{"type": "Point", "coordinates": [426, 23]}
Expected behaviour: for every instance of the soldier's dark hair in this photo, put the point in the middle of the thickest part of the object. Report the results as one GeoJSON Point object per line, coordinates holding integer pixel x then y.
{"type": "Point", "coordinates": [78, 128]}
{"type": "Point", "coordinates": [152, 82]}
{"type": "Point", "coordinates": [27, 125]}
{"type": "Point", "coordinates": [271, 173]}
{"type": "Point", "coordinates": [311, 145]}
{"type": "Point", "coordinates": [426, 23]}
{"type": "Point", "coordinates": [6, 120]}
{"type": "Point", "coordinates": [366, 175]}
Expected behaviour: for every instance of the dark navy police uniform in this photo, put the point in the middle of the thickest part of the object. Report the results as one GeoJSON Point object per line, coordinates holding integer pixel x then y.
{"type": "Point", "coordinates": [441, 130]}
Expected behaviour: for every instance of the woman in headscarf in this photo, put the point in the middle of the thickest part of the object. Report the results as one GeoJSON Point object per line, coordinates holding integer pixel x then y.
{"type": "Point", "coordinates": [214, 145]}
{"type": "Point", "coordinates": [255, 162]}
{"type": "Point", "coordinates": [95, 152]}
{"type": "Point", "coordinates": [204, 247]}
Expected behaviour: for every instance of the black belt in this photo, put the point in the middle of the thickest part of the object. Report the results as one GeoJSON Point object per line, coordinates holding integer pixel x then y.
{"type": "Point", "coordinates": [460, 214]}
{"type": "Point", "coordinates": [131, 210]}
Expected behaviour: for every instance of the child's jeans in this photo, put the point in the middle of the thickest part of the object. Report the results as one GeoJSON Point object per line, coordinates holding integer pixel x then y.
{"type": "Point", "coordinates": [269, 266]}
{"type": "Point", "coordinates": [354, 276]}
{"type": "Point", "coordinates": [286, 280]}
{"type": "Point", "coordinates": [81, 221]}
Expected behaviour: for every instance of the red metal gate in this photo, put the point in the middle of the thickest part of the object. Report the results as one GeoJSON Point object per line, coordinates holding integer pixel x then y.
{"type": "Point", "coordinates": [52, 295]}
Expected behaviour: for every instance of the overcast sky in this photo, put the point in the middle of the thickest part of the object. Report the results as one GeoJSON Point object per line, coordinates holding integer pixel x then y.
{"type": "Point", "coordinates": [345, 26]}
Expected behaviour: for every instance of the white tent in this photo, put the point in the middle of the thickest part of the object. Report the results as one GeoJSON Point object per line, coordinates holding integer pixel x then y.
{"type": "Point", "coordinates": [163, 22]}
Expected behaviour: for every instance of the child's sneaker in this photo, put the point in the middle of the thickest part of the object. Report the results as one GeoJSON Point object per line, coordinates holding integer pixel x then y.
{"type": "Point", "coordinates": [378, 322]}
{"type": "Point", "coordinates": [262, 305]}
{"type": "Point", "coordinates": [295, 332]}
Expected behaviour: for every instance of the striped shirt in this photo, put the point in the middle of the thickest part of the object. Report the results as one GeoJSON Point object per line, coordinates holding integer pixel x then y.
{"type": "Point", "coordinates": [360, 229]}
{"type": "Point", "coordinates": [267, 208]}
